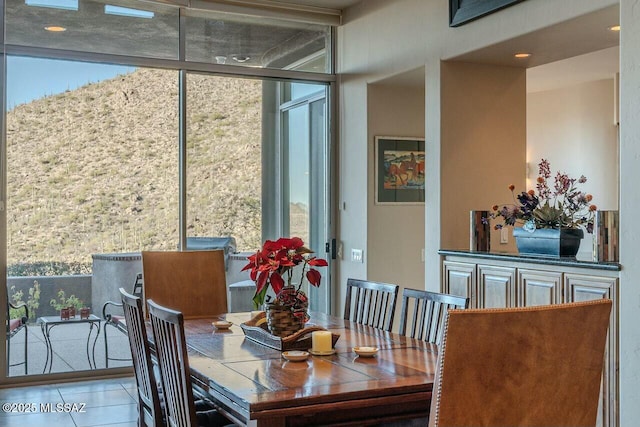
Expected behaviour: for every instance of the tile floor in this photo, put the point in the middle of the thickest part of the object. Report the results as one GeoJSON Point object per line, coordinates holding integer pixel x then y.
{"type": "Point", "coordinates": [110, 402]}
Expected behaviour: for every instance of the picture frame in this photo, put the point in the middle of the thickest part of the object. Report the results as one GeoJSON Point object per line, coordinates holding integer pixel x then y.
{"type": "Point", "coordinates": [464, 11]}
{"type": "Point", "coordinates": [399, 170]}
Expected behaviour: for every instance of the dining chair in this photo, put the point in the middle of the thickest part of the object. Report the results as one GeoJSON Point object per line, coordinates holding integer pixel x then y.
{"type": "Point", "coordinates": [149, 404]}
{"type": "Point", "coordinates": [15, 324]}
{"type": "Point", "coordinates": [173, 362]}
{"type": "Point", "coordinates": [371, 303]}
{"type": "Point", "coordinates": [423, 313]}
{"type": "Point", "coordinates": [114, 320]}
{"type": "Point", "coordinates": [525, 366]}
{"type": "Point", "coordinates": [191, 282]}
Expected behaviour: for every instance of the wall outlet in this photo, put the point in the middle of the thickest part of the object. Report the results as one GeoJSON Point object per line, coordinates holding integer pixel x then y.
{"type": "Point", "coordinates": [356, 255]}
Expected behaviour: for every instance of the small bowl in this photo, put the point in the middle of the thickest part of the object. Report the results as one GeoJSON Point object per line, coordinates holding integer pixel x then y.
{"type": "Point", "coordinates": [366, 351]}
{"type": "Point", "coordinates": [295, 355]}
{"type": "Point", "coordinates": [221, 324]}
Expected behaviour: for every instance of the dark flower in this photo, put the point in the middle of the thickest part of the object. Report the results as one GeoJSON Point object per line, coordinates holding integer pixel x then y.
{"type": "Point", "coordinates": [564, 207]}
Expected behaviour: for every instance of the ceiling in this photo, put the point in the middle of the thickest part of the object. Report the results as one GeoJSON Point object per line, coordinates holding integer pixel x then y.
{"type": "Point", "coordinates": [583, 34]}
{"type": "Point", "coordinates": [575, 51]}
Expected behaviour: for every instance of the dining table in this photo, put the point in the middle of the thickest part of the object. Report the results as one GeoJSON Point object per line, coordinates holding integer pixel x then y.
{"type": "Point", "coordinates": [254, 385]}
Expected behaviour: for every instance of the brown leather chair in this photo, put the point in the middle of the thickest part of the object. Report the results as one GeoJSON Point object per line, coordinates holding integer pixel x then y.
{"type": "Point", "coordinates": [532, 366]}
{"type": "Point", "coordinates": [192, 282]}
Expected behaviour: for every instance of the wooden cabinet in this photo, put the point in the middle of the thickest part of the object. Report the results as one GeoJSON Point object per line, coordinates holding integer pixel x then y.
{"type": "Point", "coordinates": [496, 286]}
{"type": "Point", "coordinates": [459, 278]}
{"type": "Point", "coordinates": [538, 287]}
{"type": "Point", "coordinates": [496, 280]}
{"type": "Point", "coordinates": [580, 287]}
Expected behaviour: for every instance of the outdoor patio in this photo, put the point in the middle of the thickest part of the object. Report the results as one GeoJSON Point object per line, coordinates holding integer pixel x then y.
{"type": "Point", "coordinates": [69, 343]}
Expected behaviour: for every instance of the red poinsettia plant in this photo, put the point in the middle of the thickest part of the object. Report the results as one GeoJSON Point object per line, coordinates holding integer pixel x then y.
{"type": "Point", "coordinates": [275, 263]}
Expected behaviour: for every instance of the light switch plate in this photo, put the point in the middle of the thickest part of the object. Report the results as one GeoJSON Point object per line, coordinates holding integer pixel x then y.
{"type": "Point", "coordinates": [356, 255]}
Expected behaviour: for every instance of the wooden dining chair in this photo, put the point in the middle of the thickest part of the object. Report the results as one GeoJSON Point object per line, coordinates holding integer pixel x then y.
{"type": "Point", "coordinates": [192, 282]}
{"type": "Point", "coordinates": [371, 303]}
{"type": "Point", "coordinates": [149, 405]}
{"type": "Point", "coordinates": [423, 313]}
{"type": "Point", "coordinates": [173, 362]}
{"type": "Point", "coordinates": [526, 366]}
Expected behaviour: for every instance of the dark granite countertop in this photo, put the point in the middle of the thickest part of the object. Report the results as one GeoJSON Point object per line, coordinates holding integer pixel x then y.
{"type": "Point", "coordinates": [567, 261]}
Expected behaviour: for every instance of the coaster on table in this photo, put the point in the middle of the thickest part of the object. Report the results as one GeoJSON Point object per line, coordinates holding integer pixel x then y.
{"type": "Point", "coordinates": [322, 353]}
{"type": "Point", "coordinates": [295, 355]}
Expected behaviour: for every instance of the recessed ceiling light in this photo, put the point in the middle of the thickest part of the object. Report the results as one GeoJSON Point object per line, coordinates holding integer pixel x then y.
{"type": "Point", "coordinates": [241, 58]}
{"type": "Point", "coordinates": [55, 29]}
{"type": "Point", "coordinates": [614, 28]}
{"type": "Point", "coordinates": [522, 55]}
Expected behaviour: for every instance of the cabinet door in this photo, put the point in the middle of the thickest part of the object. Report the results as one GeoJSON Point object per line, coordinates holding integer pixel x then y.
{"type": "Point", "coordinates": [459, 278]}
{"type": "Point", "coordinates": [539, 287]}
{"type": "Point", "coordinates": [586, 288]}
{"type": "Point", "coordinates": [496, 286]}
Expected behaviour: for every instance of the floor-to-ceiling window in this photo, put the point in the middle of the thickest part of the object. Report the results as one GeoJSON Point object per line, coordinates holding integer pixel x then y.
{"type": "Point", "coordinates": [93, 141]}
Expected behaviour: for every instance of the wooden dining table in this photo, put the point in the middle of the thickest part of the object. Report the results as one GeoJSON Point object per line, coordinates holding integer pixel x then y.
{"type": "Point", "coordinates": [255, 386]}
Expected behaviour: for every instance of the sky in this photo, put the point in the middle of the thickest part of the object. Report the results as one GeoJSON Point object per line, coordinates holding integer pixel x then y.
{"type": "Point", "coordinates": [33, 78]}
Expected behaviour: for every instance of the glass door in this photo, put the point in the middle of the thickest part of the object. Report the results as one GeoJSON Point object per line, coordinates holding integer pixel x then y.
{"type": "Point", "coordinates": [306, 177]}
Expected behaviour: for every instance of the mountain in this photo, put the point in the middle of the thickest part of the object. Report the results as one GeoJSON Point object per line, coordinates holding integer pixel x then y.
{"type": "Point", "coordinates": [95, 170]}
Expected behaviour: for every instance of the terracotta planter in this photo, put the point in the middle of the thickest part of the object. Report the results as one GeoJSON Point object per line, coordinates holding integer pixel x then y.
{"type": "Point", "coordinates": [84, 313]}
{"type": "Point", "coordinates": [64, 314]}
{"type": "Point", "coordinates": [548, 242]}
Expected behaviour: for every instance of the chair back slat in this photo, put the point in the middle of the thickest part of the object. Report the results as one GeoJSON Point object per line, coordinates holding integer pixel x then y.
{"type": "Point", "coordinates": [150, 411]}
{"type": "Point", "coordinates": [423, 312]}
{"type": "Point", "coordinates": [371, 303]}
{"type": "Point", "coordinates": [173, 361]}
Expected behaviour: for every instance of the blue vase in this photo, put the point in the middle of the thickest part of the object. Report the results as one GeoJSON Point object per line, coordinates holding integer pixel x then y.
{"type": "Point", "coordinates": [548, 242]}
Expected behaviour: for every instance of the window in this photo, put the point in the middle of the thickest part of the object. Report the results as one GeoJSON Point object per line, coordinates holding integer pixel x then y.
{"type": "Point", "coordinates": [94, 143]}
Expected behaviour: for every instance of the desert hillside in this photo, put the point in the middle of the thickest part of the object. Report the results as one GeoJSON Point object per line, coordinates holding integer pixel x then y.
{"type": "Point", "coordinates": [95, 170]}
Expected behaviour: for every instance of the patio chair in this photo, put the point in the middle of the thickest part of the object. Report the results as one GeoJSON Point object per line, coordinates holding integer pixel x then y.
{"type": "Point", "coordinates": [14, 326]}
{"type": "Point", "coordinates": [371, 303]}
{"type": "Point", "coordinates": [116, 320]}
{"type": "Point", "coordinates": [525, 366]}
{"type": "Point", "coordinates": [423, 313]}
{"type": "Point", "coordinates": [173, 362]}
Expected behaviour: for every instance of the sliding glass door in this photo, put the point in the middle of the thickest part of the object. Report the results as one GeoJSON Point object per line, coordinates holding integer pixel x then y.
{"type": "Point", "coordinates": [305, 175]}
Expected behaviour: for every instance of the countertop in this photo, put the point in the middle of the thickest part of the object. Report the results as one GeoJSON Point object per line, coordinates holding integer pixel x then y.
{"type": "Point", "coordinates": [504, 256]}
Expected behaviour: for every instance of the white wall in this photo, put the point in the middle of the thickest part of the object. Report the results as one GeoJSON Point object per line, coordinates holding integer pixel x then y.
{"type": "Point", "coordinates": [573, 127]}
{"type": "Point", "coordinates": [629, 208]}
{"type": "Point", "coordinates": [381, 38]}
{"type": "Point", "coordinates": [395, 233]}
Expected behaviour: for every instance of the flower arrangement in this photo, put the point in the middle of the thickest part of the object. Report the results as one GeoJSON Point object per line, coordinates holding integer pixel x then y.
{"type": "Point", "coordinates": [276, 260]}
{"type": "Point", "coordinates": [563, 206]}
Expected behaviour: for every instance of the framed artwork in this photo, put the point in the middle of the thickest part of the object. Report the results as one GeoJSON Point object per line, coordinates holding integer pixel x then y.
{"type": "Point", "coordinates": [463, 11]}
{"type": "Point", "coordinates": [399, 170]}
